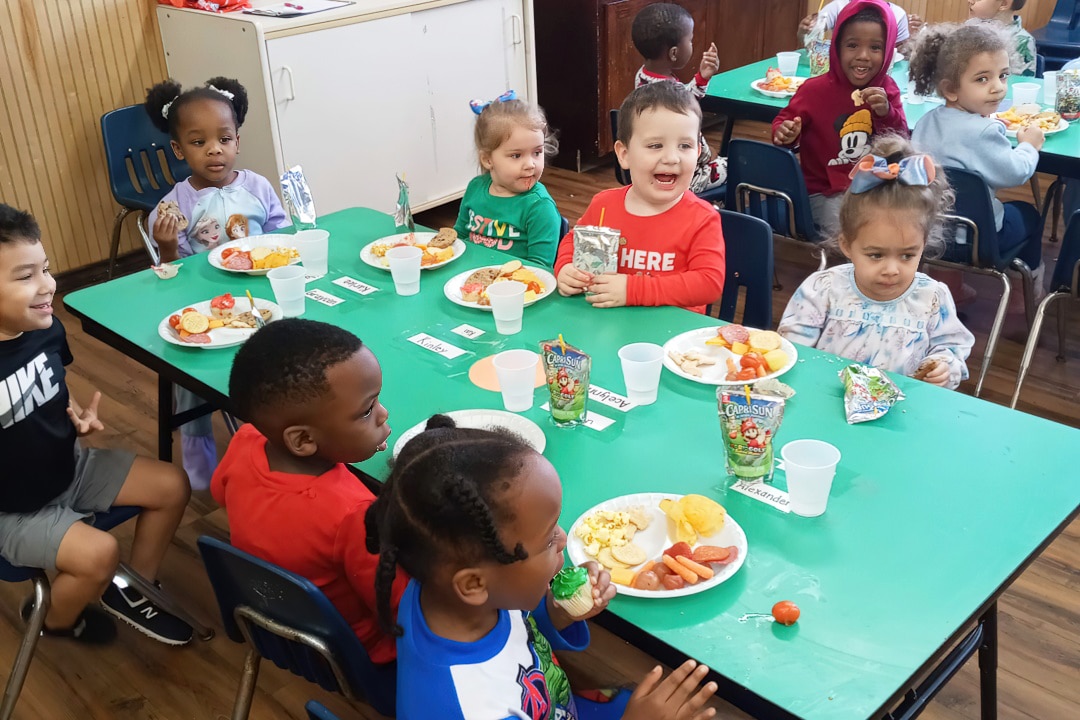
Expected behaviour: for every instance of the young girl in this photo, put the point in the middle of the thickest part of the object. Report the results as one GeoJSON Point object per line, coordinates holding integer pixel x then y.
{"type": "Point", "coordinates": [834, 116]}
{"type": "Point", "coordinates": [968, 65]}
{"type": "Point", "coordinates": [472, 516]}
{"type": "Point", "coordinates": [506, 207]}
{"type": "Point", "coordinates": [203, 126]}
{"type": "Point", "coordinates": [877, 309]}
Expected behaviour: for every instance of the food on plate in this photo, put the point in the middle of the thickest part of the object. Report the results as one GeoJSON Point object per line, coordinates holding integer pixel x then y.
{"type": "Point", "coordinates": [703, 572]}
{"type": "Point", "coordinates": [605, 558]}
{"type": "Point", "coordinates": [194, 322]}
{"type": "Point", "coordinates": [679, 548]}
{"type": "Point", "coordinates": [1016, 118]}
{"type": "Point", "coordinates": [857, 97]}
{"type": "Point", "coordinates": [749, 421]}
{"type": "Point", "coordinates": [693, 515]}
{"type": "Point", "coordinates": [786, 612]}
{"type": "Point", "coordinates": [194, 327]}
{"type": "Point", "coordinates": [566, 372]}
{"type": "Point", "coordinates": [776, 81]}
{"type": "Point", "coordinates": [629, 554]}
{"type": "Point", "coordinates": [258, 258]}
{"type": "Point", "coordinates": [868, 393]}
{"type": "Point", "coordinates": [474, 289]}
{"type": "Point", "coordinates": [610, 528]}
{"type": "Point", "coordinates": [433, 254]}
{"type": "Point", "coordinates": [925, 368]}
{"type": "Point", "coordinates": [759, 351]}
{"type": "Point", "coordinates": [169, 208]}
{"type": "Point", "coordinates": [677, 568]}
{"type": "Point", "coordinates": [691, 362]}
{"type": "Point", "coordinates": [222, 306]}
{"type": "Point", "coordinates": [446, 237]}
{"type": "Point", "coordinates": [572, 590]}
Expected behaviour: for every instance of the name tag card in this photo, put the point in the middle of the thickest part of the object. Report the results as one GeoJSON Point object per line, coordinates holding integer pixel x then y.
{"type": "Point", "coordinates": [611, 399]}
{"type": "Point", "coordinates": [323, 297]}
{"type": "Point", "coordinates": [310, 278]}
{"type": "Point", "coordinates": [355, 285]}
{"type": "Point", "coordinates": [436, 346]}
{"type": "Point", "coordinates": [592, 420]}
{"type": "Point", "coordinates": [468, 331]}
{"type": "Point", "coordinates": [763, 492]}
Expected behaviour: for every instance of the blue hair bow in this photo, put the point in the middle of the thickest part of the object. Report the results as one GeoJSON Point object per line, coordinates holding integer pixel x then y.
{"type": "Point", "coordinates": [479, 105]}
{"type": "Point", "coordinates": [873, 170]}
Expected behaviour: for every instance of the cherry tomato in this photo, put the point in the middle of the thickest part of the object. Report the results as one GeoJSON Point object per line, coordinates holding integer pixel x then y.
{"type": "Point", "coordinates": [672, 582]}
{"type": "Point", "coordinates": [751, 360]}
{"type": "Point", "coordinates": [747, 374]}
{"type": "Point", "coordinates": [174, 321]}
{"type": "Point", "coordinates": [661, 570]}
{"type": "Point", "coordinates": [646, 581]}
{"type": "Point", "coordinates": [679, 548]}
{"type": "Point", "coordinates": [227, 253]}
{"type": "Point", "coordinates": [185, 311]}
{"type": "Point", "coordinates": [785, 612]}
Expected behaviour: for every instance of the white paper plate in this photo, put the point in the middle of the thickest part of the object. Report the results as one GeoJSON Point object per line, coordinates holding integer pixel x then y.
{"type": "Point", "coordinates": [250, 243]}
{"type": "Point", "coordinates": [716, 374]}
{"type": "Point", "coordinates": [757, 85]}
{"type": "Point", "coordinates": [420, 237]}
{"type": "Point", "coordinates": [219, 337]}
{"type": "Point", "coordinates": [484, 420]}
{"type": "Point", "coordinates": [659, 536]}
{"type": "Point", "coordinates": [452, 288]}
{"type": "Point", "coordinates": [1063, 124]}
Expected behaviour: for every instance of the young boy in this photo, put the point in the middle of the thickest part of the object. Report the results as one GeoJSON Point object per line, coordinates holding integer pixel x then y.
{"type": "Point", "coordinates": [1001, 12]}
{"type": "Point", "coordinates": [906, 25]}
{"type": "Point", "coordinates": [672, 248]}
{"type": "Point", "coordinates": [664, 35]}
{"type": "Point", "coordinates": [834, 116]}
{"type": "Point", "coordinates": [51, 483]}
{"type": "Point", "coordinates": [311, 393]}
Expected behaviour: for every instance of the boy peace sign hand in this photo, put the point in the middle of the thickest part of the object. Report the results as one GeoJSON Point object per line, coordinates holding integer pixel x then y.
{"type": "Point", "coordinates": [85, 419]}
{"type": "Point", "coordinates": [878, 101]}
{"type": "Point", "coordinates": [674, 698]}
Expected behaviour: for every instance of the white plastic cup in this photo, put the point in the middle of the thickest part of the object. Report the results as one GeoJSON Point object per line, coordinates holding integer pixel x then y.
{"type": "Point", "coordinates": [507, 305]}
{"type": "Point", "coordinates": [641, 366]}
{"type": "Point", "coordinates": [314, 247]}
{"type": "Point", "coordinates": [516, 370]}
{"type": "Point", "coordinates": [787, 63]}
{"type": "Point", "coordinates": [810, 466]}
{"type": "Point", "coordinates": [1025, 93]}
{"type": "Point", "coordinates": [288, 284]}
{"type": "Point", "coordinates": [405, 268]}
{"type": "Point", "coordinates": [1050, 88]}
{"type": "Point", "coordinates": [912, 97]}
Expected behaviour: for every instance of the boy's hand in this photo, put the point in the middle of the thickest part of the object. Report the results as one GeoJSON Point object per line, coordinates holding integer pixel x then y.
{"type": "Point", "coordinates": [914, 24]}
{"type": "Point", "coordinates": [878, 101]}
{"type": "Point", "coordinates": [807, 25]}
{"type": "Point", "coordinates": [710, 62]}
{"type": "Point", "coordinates": [674, 698]}
{"type": "Point", "coordinates": [609, 290]}
{"type": "Point", "coordinates": [166, 233]}
{"type": "Point", "coordinates": [572, 281]}
{"type": "Point", "coordinates": [85, 419]}
{"type": "Point", "coordinates": [788, 132]}
{"type": "Point", "coordinates": [603, 592]}
{"type": "Point", "coordinates": [1031, 135]}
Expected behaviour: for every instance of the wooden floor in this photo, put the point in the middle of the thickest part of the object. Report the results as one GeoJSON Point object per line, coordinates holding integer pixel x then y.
{"type": "Point", "coordinates": [138, 678]}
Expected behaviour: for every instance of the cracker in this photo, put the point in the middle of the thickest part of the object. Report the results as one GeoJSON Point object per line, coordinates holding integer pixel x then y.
{"type": "Point", "coordinates": [857, 97]}
{"type": "Point", "coordinates": [605, 558]}
{"type": "Point", "coordinates": [630, 554]}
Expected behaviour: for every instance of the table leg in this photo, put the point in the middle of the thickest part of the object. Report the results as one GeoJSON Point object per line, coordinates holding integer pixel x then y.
{"type": "Point", "coordinates": [729, 126]}
{"type": "Point", "coordinates": [165, 411]}
{"type": "Point", "coordinates": [988, 662]}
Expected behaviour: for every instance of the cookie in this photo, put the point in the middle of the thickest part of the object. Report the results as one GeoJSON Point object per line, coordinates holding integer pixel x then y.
{"type": "Point", "coordinates": [925, 368]}
{"type": "Point", "coordinates": [169, 207]}
{"type": "Point", "coordinates": [446, 237]}
{"type": "Point", "coordinates": [857, 97]}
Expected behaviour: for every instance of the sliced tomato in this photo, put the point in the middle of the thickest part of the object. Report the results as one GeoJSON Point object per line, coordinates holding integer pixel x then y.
{"type": "Point", "coordinates": [679, 548]}
{"type": "Point", "coordinates": [733, 554]}
{"type": "Point", "coordinates": [746, 374]}
{"type": "Point", "coordinates": [706, 554]}
{"type": "Point", "coordinates": [672, 582]}
{"type": "Point", "coordinates": [535, 287]}
{"type": "Point", "coordinates": [647, 581]}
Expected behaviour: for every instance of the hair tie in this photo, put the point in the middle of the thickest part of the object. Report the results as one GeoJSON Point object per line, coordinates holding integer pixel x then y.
{"type": "Point", "coordinates": [479, 105]}
{"type": "Point", "coordinates": [165, 109]}
{"type": "Point", "coordinates": [873, 170]}
{"type": "Point", "coordinates": [226, 93]}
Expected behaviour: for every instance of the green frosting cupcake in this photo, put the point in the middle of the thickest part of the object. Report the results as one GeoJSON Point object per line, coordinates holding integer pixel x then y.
{"type": "Point", "coordinates": [572, 591]}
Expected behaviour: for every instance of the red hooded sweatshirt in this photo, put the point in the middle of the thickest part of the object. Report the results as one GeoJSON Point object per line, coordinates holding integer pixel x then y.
{"type": "Point", "coordinates": [835, 133]}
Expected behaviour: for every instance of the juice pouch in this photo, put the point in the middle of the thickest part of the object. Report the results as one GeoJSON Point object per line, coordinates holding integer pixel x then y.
{"type": "Point", "coordinates": [596, 249]}
{"type": "Point", "coordinates": [750, 422]}
{"type": "Point", "coordinates": [566, 370]}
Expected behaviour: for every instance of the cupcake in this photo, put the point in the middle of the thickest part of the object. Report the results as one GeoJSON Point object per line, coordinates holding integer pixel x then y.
{"type": "Point", "coordinates": [572, 590]}
{"type": "Point", "coordinates": [222, 306]}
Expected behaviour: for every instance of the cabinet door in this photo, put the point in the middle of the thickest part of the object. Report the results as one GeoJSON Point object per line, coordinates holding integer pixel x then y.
{"type": "Point", "coordinates": [738, 26]}
{"type": "Point", "coordinates": [779, 32]}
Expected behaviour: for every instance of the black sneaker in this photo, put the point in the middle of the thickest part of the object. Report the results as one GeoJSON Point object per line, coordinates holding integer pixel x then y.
{"type": "Point", "coordinates": [92, 627]}
{"type": "Point", "coordinates": [129, 605]}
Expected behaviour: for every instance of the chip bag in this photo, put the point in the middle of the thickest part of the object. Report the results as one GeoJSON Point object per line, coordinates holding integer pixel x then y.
{"type": "Point", "coordinates": [750, 422]}
{"type": "Point", "coordinates": [868, 393]}
{"type": "Point", "coordinates": [566, 371]}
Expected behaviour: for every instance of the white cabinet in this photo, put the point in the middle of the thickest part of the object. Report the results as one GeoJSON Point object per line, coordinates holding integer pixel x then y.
{"type": "Point", "coordinates": [359, 94]}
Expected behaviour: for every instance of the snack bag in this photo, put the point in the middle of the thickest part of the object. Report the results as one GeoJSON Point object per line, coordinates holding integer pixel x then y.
{"type": "Point", "coordinates": [596, 249]}
{"type": "Point", "coordinates": [1067, 100]}
{"type": "Point", "coordinates": [566, 370]}
{"type": "Point", "coordinates": [403, 213]}
{"type": "Point", "coordinates": [750, 422]}
{"type": "Point", "coordinates": [298, 200]}
{"type": "Point", "coordinates": [817, 45]}
{"type": "Point", "coordinates": [868, 393]}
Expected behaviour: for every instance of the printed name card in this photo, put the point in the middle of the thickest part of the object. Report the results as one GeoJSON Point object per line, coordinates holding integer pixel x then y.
{"type": "Point", "coordinates": [611, 399]}
{"type": "Point", "coordinates": [437, 346]}
{"type": "Point", "coordinates": [468, 331]}
{"type": "Point", "coordinates": [323, 297]}
{"type": "Point", "coordinates": [763, 492]}
{"type": "Point", "coordinates": [355, 285]}
{"type": "Point", "coordinates": [309, 278]}
{"type": "Point", "coordinates": [592, 420]}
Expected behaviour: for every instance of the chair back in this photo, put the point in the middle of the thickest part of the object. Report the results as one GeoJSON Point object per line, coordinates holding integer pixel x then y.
{"type": "Point", "coordinates": [317, 711]}
{"type": "Point", "coordinates": [135, 151]}
{"type": "Point", "coordinates": [564, 227]}
{"type": "Point", "coordinates": [974, 211]}
{"type": "Point", "coordinates": [622, 176]}
{"type": "Point", "coordinates": [748, 249]}
{"type": "Point", "coordinates": [1066, 13]}
{"type": "Point", "coordinates": [289, 620]}
{"type": "Point", "coordinates": [1040, 65]}
{"type": "Point", "coordinates": [767, 182]}
{"type": "Point", "coordinates": [1066, 275]}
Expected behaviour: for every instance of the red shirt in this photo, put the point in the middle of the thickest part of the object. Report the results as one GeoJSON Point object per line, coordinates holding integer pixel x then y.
{"type": "Point", "coordinates": [312, 526]}
{"type": "Point", "coordinates": [674, 258]}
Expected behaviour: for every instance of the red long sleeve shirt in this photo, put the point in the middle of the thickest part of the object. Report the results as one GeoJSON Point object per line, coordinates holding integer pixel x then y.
{"type": "Point", "coordinates": [674, 258]}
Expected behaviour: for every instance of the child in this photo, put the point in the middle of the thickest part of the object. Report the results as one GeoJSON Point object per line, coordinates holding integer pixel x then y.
{"type": "Point", "coordinates": [311, 393]}
{"type": "Point", "coordinates": [906, 25]}
{"type": "Point", "coordinates": [506, 207]}
{"type": "Point", "coordinates": [672, 248]}
{"type": "Point", "coordinates": [968, 65]}
{"type": "Point", "coordinates": [472, 516]}
{"type": "Point", "coordinates": [203, 125]}
{"type": "Point", "coordinates": [832, 122]}
{"type": "Point", "coordinates": [663, 33]}
{"type": "Point", "coordinates": [52, 483]}
{"type": "Point", "coordinates": [1000, 13]}
{"type": "Point", "coordinates": [877, 309]}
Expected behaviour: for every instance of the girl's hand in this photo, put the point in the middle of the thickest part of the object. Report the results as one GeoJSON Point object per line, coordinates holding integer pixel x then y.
{"type": "Point", "coordinates": [938, 375]}
{"type": "Point", "coordinates": [710, 62]}
{"type": "Point", "coordinates": [572, 281]}
{"type": "Point", "coordinates": [166, 233]}
{"type": "Point", "coordinates": [85, 419]}
{"type": "Point", "coordinates": [609, 289]}
{"type": "Point", "coordinates": [1031, 135]}
{"type": "Point", "coordinates": [674, 698]}
{"type": "Point", "coordinates": [788, 132]}
{"type": "Point", "coordinates": [878, 101]}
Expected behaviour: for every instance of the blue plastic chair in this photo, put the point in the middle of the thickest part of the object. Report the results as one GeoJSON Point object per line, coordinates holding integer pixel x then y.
{"type": "Point", "coordinates": [587, 709]}
{"type": "Point", "coordinates": [748, 251]}
{"type": "Point", "coordinates": [135, 151]}
{"type": "Point", "coordinates": [317, 711]}
{"type": "Point", "coordinates": [1064, 283]}
{"type": "Point", "coordinates": [284, 617]}
{"type": "Point", "coordinates": [767, 182]}
{"type": "Point", "coordinates": [1059, 39]}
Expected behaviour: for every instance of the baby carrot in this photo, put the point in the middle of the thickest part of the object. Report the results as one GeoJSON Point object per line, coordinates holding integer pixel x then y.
{"type": "Point", "coordinates": [700, 569]}
{"type": "Point", "coordinates": [681, 570]}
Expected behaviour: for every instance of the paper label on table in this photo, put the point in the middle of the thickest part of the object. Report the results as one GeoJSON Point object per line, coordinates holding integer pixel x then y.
{"type": "Point", "coordinates": [592, 420]}
{"type": "Point", "coordinates": [468, 331]}
{"type": "Point", "coordinates": [437, 346]}
{"type": "Point", "coordinates": [763, 492]}
{"type": "Point", "coordinates": [355, 285]}
{"type": "Point", "coordinates": [324, 297]}
{"type": "Point", "coordinates": [310, 278]}
{"type": "Point", "coordinates": [611, 399]}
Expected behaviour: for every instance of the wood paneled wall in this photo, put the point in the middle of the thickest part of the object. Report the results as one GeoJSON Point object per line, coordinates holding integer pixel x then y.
{"type": "Point", "coordinates": [1035, 14]}
{"type": "Point", "coordinates": [63, 64]}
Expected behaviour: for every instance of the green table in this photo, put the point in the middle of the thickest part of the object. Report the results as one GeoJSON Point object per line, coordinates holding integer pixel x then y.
{"type": "Point", "coordinates": [936, 507]}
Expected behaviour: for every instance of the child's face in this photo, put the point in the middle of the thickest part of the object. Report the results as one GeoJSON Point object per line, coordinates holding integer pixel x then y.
{"type": "Point", "coordinates": [987, 9]}
{"type": "Point", "coordinates": [684, 51]}
{"type": "Point", "coordinates": [208, 142]}
{"type": "Point", "coordinates": [26, 289]}
{"type": "Point", "coordinates": [982, 84]}
{"type": "Point", "coordinates": [517, 164]}
{"type": "Point", "coordinates": [862, 51]}
{"type": "Point", "coordinates": [661, 156]}
{"type": "Point", "coordinates": [886, 254]}
{"type": "Point", "coordinates": [349, 422]}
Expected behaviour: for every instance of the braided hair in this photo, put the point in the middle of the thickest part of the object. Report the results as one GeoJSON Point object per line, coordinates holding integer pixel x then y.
{"type": "Point", "coordinates": [441, 504]}
{"type": "Point", "coordinates": [165, 100]}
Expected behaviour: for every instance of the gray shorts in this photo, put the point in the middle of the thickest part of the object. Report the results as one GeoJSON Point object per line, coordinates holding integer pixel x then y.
{"type": "Point", "coordinates": [32, 539]}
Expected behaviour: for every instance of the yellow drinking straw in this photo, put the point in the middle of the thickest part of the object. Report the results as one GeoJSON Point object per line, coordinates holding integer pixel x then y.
{"type": "Point", "coordinates": [820, 5]}
{"type": "Point", "coordinates": [602, 216]}
{"type": "Point", "coordinates": [562, 343]}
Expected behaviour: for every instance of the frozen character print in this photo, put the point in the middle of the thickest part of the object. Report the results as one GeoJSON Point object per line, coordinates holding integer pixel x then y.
{"type": "Point", "coordinates": [236, 226]}
{"type": "Point", "coordinates": [207, 232]}
{"type": "Point", "coordinates": [855, 131]}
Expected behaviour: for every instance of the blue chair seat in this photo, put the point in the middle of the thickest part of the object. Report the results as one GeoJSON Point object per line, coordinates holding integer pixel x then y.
{"type": "Point", "coordinates": [748, 252]}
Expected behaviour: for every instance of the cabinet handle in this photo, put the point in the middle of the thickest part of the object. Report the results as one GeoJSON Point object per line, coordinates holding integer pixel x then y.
{"type": "Point", "coordinates": [517, 29]}
{"type": "Point", "coordinates": [292, 88]}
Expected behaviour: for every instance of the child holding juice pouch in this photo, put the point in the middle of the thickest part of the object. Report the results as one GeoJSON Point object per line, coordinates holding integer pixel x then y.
{"type": "Point", "coordinates": [672, 249]}
{"type": "Point", "coordinates": [877, 309]}
{"type": "Point", "coordinates": [506, 207]}
{"type": "Point", "coordinates": [472, 517]}
{"type": "Point", "coordinates": [833, 117]}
